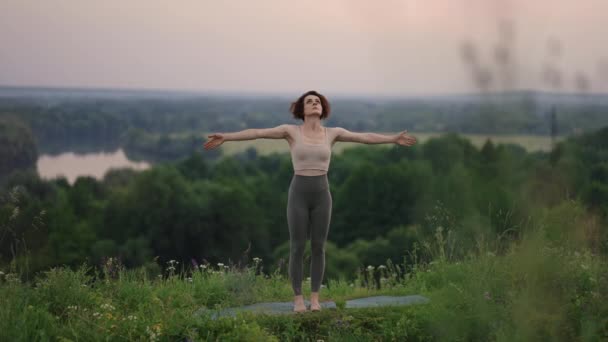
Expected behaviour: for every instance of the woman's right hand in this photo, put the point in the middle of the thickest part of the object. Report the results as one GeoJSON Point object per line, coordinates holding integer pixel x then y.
{"type": "Point", "coordinates": [214, 141]}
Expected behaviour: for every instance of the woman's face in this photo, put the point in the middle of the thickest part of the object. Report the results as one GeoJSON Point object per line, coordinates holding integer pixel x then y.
{"type": "Point", "coordinates": [312, 105]}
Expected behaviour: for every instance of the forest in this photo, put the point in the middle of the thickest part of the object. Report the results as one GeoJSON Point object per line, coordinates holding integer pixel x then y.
{"type": "Point", "coordinates": [205, 206]}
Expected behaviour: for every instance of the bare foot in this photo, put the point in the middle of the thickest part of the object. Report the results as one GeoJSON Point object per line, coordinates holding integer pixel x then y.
{"type": "Point", "coordinates": [298, 304]}
{"type": "Point", "coordinates": [314, 302]}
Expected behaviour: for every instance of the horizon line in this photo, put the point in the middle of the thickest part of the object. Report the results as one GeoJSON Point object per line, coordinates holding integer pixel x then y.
{"type": "Point", "coordinates": [249, 93]}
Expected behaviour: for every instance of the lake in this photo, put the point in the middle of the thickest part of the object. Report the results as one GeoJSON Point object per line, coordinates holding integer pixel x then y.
{"type": "Point", "coordinates": [72, 165]}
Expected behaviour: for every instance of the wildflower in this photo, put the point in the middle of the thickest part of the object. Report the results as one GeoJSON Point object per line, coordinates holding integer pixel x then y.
{"type": "Point", "coordinates": [151, 333]}
{"type": "Point", "coordinates": [12, 278]}
{"type": "Point", "coordinates": [219, 264]}
{"type": "Point", "coordinates": [154, 332]}
{"type": "Point", "coordinates": [370, 268]}
{"type": "Point", "coordinates": [256, 260]}
{"type": "Point", "coordinates": [189, 279]}
{"type": "Point", "coordinates": [107, 306]}
{"type": "Point", "coordinates": [72, 307]}
{"type": "Point", "coordinates": [131, 317]}
{"type": "Point", "coordinates": [226, 267]}
{"type": "Point", "coordinates": [381, 267]}
{"type": "Point", "coordinates": [203, 266]}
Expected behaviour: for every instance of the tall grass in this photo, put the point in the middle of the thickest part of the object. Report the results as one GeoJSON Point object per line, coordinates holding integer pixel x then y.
{"type": "Point", "coordinates": [549, 285]}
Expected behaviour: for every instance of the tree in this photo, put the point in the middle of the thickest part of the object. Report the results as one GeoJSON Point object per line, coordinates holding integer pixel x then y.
{"type": "Point", "coordinates": [18, 149]}
{"type": "Point", "coordinates": [375, 198]}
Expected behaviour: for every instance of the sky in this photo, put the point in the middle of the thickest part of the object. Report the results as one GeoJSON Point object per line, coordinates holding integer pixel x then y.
{"type": "Point", "coordinates": [384, 47]}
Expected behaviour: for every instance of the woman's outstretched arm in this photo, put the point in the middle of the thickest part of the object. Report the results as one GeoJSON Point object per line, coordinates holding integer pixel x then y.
{"type": "Point", "coordinates": [216, 139]}
{"type": "Point", "coordinates": [401, 138]}
{"type": "Point", "coordinates": [278, 132]}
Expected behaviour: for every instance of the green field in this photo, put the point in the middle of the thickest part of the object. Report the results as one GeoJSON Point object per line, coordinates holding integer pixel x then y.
{"type": "Point", "coordinates": [531, 143]}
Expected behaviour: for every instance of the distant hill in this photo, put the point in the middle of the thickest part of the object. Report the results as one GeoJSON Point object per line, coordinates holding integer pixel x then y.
{"type": "Point", "coordinates": [176, 122]}
{"type": "Point", "coordinates": [540, 97]}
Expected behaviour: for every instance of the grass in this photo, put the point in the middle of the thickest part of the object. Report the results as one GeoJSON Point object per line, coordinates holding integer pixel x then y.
{"type": "Point", "coordinates": [539, 290]}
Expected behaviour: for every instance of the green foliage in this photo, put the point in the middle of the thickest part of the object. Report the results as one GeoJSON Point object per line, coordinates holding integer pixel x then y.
{"type": "Point", "coordinates": [386, 201]}
{"type": "Point", "coordinates": [18, 149]}
{"type": "Point", "coordinates": [69, 238]}
{"type": "Point", "coordinates": [541, 288]}
{"type": "Point", "coordinates": [582, 160]}
{"type": "Point", "coordinates": [141, 145]}
{"type": "Point", "coordinates": [377, 197]}
{"type": "Point", "coordinates": [22, 226]}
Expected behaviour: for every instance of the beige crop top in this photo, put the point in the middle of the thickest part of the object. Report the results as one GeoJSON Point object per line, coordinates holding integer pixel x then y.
{"type": "Point", "coordinates": [305, 156]}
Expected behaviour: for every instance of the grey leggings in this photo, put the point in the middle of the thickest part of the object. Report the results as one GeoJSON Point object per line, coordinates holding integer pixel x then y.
{"type": "Point", "coordinates": [308, 214]}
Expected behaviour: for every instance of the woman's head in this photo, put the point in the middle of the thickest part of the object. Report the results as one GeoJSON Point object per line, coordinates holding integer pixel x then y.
{"type": "Point", "coordinates": [310, 103]}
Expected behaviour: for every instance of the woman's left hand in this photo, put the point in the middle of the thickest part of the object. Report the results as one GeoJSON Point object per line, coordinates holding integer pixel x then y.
{"type": "Point", "coordinates": [404, 139]}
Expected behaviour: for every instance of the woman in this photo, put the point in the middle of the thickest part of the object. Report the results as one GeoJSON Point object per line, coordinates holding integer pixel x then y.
{"type": "Point", "coordinates": [309, 201]}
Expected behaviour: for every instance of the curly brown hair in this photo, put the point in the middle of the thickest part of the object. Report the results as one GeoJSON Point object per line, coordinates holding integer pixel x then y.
{"type": "Point", "coordinates": [297, 107]}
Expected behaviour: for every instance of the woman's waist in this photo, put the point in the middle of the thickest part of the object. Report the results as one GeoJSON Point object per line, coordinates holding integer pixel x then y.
{"type": "Point", "coordinates": [310, 182]}
{"type": "Point", "coordinates": [310, 172]}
